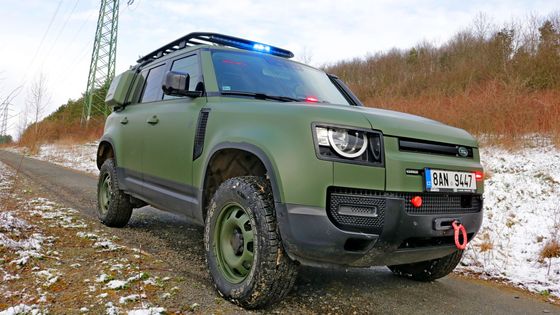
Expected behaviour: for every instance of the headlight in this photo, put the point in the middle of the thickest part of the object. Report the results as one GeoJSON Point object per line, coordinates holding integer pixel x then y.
{"type": "Point", "coordinates": [347, 143]}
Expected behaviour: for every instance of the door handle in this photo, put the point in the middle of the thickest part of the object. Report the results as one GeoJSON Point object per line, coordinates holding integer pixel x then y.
{"type": "Point", "coordinates": [153, 120]}
{"type": "Point", "coordinates": [124, 121]}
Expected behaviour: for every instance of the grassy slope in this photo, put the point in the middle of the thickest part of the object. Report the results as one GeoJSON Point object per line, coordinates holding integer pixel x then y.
{"type": "Point", "coordinates": [489, 80]}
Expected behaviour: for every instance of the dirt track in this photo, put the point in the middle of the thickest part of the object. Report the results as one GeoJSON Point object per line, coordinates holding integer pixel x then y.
{"type": "Point", "coordinates": [374, 290]}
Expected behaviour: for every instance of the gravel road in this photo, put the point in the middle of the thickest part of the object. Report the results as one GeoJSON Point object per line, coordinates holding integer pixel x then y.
{"type": "Point", "coordinates": [323, 291]}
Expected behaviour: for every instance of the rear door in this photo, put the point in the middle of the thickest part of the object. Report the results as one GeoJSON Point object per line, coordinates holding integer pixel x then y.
{"type": "Point", "coordinates": [130, 121]}
{"type": "Point", "coordinates": [168, 143]}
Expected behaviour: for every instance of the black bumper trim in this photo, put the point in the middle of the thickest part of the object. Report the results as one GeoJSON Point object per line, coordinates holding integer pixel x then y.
{"type": "Point", "coordinates": [311, 238]}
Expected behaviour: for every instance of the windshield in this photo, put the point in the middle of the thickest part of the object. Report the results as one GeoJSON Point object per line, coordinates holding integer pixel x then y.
{"type": "Point", "coordinates": [272, 76]}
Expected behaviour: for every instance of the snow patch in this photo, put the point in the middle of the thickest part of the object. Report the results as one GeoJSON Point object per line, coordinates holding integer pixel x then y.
{"type": "Point", "coordinates": [147, 311]}
{"type": "Point", "coordinates": [21, 309]}
{"type": "Point", "coordinates": [129, 298]}
{"type": "Point", "coordinates": [77, 156]}
{"type": "Point", "coordinates": [116, 284]}
{"type": "Point", "coordinates": [521, 213]}
{"type": "Point", "coordinates": [11, 237]}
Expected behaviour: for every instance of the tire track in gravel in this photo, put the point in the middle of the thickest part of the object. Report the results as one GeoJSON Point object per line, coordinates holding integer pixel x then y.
{"type": "Point", "coordinates": [178, 243]}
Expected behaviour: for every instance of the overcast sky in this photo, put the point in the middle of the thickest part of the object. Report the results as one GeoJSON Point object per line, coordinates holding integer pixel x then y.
{"type": "Point", "coordinates": [328, 30]}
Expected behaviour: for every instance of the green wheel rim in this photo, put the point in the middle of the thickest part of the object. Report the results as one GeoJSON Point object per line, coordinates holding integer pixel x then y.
{"type": "Point", "coordinates": [233, 243]}
{"type": "Point", "coordinates": [105, 194]}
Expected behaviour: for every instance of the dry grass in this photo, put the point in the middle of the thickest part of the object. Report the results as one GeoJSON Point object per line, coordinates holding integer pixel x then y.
{"type": "Point", "coordinates": [505, 116]}
{"type": "Point", "coordinates": [485, 246]}
{"type": "Point", "coordinates": [550, 250]}
{"type": "Point", "coordinates": [62, 132]}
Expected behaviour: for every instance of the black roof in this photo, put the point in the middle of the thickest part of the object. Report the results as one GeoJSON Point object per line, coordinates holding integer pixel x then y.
{"type": "Point", "coordinates": [203, 38]}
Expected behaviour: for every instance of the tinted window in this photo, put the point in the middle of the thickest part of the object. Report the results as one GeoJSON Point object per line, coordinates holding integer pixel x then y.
{"type": "Point", "coordinates": [261, 73]}
{"type": "Point", "coordinates": [188, 65]}
{"type": "Point", "coordinates": [152, 88]}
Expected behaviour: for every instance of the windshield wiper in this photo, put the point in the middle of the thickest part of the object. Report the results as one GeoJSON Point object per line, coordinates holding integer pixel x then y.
{"type": "Point", "coordinates": [263, 96]}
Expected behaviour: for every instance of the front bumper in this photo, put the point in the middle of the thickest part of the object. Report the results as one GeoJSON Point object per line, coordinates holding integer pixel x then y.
{"type": "Point", "coordinates": [313, 237]}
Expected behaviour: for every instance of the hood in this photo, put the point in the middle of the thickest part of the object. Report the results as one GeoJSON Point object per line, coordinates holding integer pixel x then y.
{"type": "Point", "coordinates": [399, 124]}
{"type": "Point", "coordinates": [391, 123]}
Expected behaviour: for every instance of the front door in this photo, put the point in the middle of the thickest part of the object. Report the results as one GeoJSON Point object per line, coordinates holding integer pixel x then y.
{"type": "Point", "coordinates": [169, 133]}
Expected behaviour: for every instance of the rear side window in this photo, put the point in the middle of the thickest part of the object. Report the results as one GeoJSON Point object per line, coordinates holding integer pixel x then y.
{"type": "Point", "coordinates": [152, 88]}
{"type": "Point", "coordinates": [189, 65]}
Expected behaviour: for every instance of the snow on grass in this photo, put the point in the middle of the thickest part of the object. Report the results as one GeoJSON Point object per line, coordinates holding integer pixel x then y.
{"type": "Point", "coordinates": [12, 236]}
{"type": "Point", "coordinates": [75, 156]}
{"type": "Point", "coordinates": [121, 284]}
{"type": "Point", "coordinates": [102, 243]}
{"type": "Point", "coordinates": [111, 309]}
{"type": "Point", "coordinates": [147, 311]}
{"type": "Point", "coordinates": [116, 284]}
{"type": "Point", "coordinates": [63, 217]}
{"type": "Point", "coordinates": [21, 309]}
{"type": "Point", "coordinates": [30, 227]}
{"type": "Point", "coordinates": [521, 213]}
{"type": "Point", "coordinates": [129, 298]}
{"type": "Point", "coordinates": [50, 276]}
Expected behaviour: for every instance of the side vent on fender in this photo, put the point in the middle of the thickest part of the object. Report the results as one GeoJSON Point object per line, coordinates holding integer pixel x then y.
{"type": "Point", "coordinates": [200, 133]}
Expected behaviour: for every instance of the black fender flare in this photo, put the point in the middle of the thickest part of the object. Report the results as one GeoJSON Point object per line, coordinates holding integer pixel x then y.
{"type": "Point", "coordinates": [251, 148]}
{"type": "Point", "coordinates": [109, 140]}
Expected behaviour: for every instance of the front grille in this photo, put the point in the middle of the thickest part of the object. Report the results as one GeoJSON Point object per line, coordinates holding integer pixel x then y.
{"type": "Point", "coordinates": [356, 212]}
{"type": "Point", "coordinates": [430, 147]}
{"type": "Point", "coordinates": [432, 203]}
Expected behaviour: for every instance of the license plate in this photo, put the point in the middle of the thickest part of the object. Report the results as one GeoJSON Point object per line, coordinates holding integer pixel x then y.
{"type": "Point", "coordinates": [440, 180]}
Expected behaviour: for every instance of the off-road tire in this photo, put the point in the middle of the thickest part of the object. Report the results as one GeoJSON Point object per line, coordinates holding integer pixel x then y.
{"type": "Point", "coordinates": [118, 211]}
{"type": "Point", "coordinates": [273, 273]}
{"type": "Point", "coordinates": [428, 270]}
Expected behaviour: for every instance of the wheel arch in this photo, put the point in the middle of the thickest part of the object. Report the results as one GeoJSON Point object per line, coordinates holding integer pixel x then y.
{"type": "Point", "coordinates": [250, 150]}
{"type": "Point", "coordinates": [105, 150]}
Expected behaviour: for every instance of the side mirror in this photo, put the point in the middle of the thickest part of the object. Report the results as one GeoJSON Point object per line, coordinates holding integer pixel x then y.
{"type": "Point", "coordinates": [177, 84]}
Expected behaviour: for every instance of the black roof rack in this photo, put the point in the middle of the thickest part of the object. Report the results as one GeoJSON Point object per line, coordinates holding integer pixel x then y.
{"type": "Point", "coordinates": [200, 38]}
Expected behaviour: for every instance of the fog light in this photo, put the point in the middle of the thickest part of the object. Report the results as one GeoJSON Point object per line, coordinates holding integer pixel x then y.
{"type": "Point", "coordinates": [416, 201]}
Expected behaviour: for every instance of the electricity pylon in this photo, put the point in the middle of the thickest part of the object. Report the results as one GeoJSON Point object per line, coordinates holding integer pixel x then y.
{"type": "Point", "coordinates": [4, 111]}
{"type": "Point", "coordinates": [102, 66]}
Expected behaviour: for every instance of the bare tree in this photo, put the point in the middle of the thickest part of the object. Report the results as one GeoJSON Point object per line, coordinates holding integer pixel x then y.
{"type": "Point", "coordinates": [482, 26]}
{"type": "Point", "coordinates": [37, 101]}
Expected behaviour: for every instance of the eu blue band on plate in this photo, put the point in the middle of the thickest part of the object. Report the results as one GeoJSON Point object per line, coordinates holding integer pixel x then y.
{"type": "Point", "coordinates": [428, 173]}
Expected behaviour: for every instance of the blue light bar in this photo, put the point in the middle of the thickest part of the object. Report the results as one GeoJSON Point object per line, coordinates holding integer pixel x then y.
{"type": "Point", "coordinates": [261, 47]}
{"type": "Point", "coordinates": [200, 38]}
{"type": "Point", "coordinates": [250, 45]}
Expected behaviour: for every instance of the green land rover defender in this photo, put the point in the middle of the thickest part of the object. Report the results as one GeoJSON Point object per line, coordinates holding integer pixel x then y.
{"type": "Point", "coordinates": [283, 165]}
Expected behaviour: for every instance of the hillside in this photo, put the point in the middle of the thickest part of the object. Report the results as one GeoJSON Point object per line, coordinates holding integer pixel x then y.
{"type": "Point", "coordinates": [499, 81]}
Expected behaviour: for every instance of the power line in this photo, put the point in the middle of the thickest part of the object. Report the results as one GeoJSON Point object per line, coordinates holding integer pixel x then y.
{"type": "Point", "coordinates": [61, 30]}
{"type": "Point", "coordinates": [42, 40]}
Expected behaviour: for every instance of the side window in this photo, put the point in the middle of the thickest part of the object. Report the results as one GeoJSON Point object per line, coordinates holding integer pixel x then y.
{"type": "Point", "coordinates": [152, 88]}
{"type": "Point", "coordinates": [188, 65]}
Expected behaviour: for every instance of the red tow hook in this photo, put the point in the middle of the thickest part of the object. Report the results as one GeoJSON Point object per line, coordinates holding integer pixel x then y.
{"type": "Point", "coordinates": [457, 226]}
